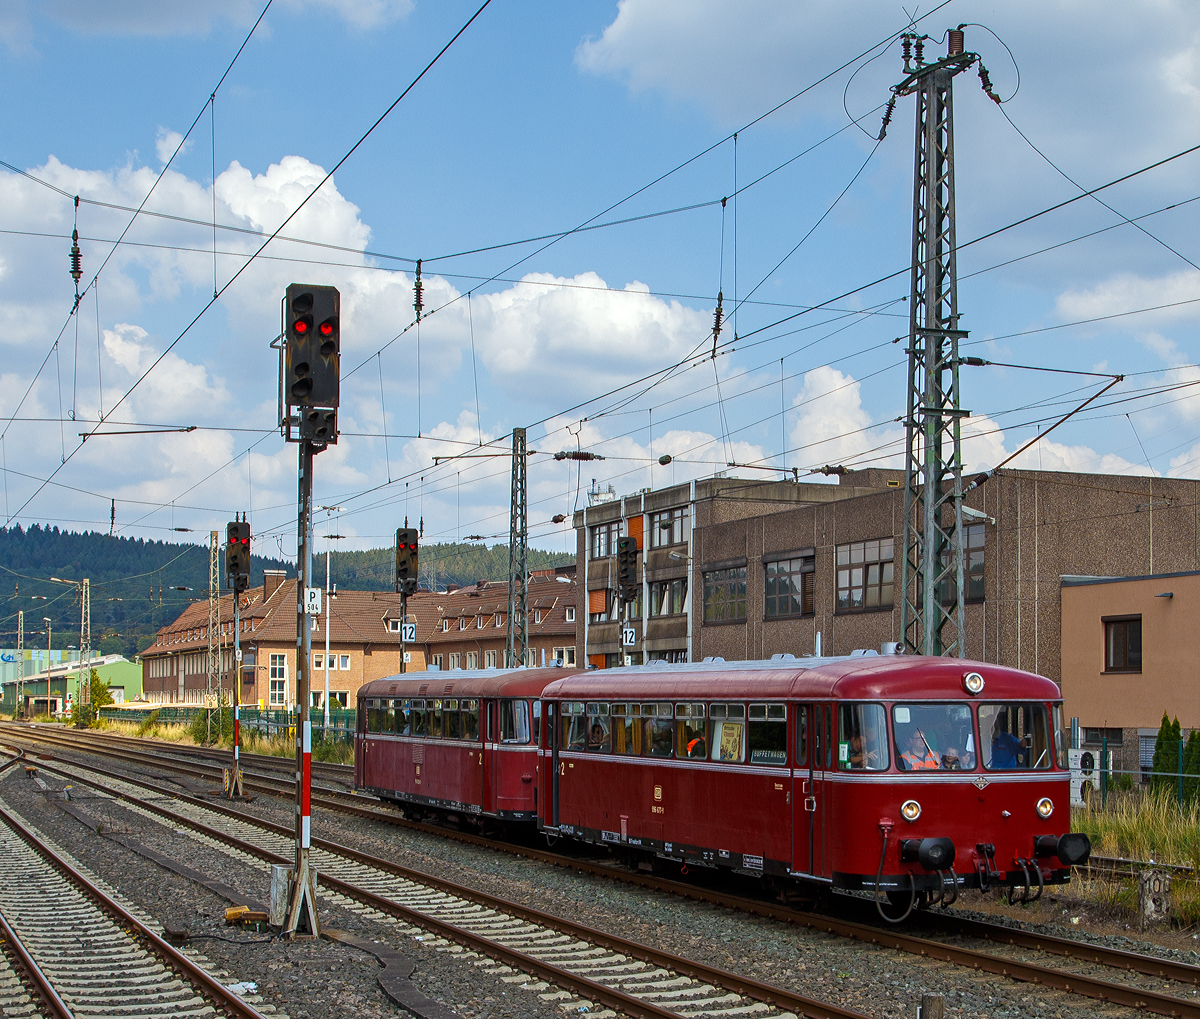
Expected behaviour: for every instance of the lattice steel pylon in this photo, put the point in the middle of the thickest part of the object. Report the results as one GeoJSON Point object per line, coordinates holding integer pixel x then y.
{"type": "Point", "coordinates": [211, 696]}
{"type": "Point", "coordinates": [932, 614]}
{"type": "Point", "coordinates": [516, 644]}
{"type": "Point", "coordinates": [85, 641]}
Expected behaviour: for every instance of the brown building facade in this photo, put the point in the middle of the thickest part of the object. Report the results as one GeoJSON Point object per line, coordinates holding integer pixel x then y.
{"type": "Point", "coordinates": [745, 569]}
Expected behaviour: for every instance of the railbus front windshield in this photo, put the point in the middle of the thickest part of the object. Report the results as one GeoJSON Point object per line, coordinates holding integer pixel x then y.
{"type": "Point", "coordinates": [862, 737]}
{"type": "Point", "coordinates": [934, 737]}
{"type": "Point", "coordinates": [1016, 736]}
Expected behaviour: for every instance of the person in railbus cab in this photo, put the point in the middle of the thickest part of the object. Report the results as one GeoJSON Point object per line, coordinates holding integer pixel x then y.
{"type": "Point", "coordinates": [1006, 748]}
{"type": "Point", "coordinates": [865, 749]}
{"type": "Point", "coordinates": [919, 756]}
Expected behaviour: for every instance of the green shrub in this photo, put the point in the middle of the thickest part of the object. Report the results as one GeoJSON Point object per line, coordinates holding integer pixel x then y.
{"type": "Point", "coordinates": [147, 725]}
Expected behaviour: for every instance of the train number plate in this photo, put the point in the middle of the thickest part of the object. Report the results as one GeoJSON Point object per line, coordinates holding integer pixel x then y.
{"type": "Point", "coordinates": [752, 862]}
{"type": "Point", "coordinates": [609, 836]}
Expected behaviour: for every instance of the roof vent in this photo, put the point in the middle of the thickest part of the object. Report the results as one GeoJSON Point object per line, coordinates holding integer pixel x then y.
{"type": "Point", "coordinates": [792, 658]}
{"type": "Point", "coordinates": [714, 658]}
{"type": "Point", "coordinates": [864, 653]}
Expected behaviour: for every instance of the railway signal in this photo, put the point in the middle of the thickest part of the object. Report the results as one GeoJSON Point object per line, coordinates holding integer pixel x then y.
{"type": "Point", "coordinates": [406, 560]}
{"type": "Point", "coordinates": [627, 568]}
{"type": "Point", "coordinates": [237, 555]}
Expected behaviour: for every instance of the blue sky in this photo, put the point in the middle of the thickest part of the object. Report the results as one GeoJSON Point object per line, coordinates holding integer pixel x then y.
{"type": "Point", "coordinates": [540, 117]}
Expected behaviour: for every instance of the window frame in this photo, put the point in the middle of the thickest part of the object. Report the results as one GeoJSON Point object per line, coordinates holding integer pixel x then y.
{"type": "Point", "coordinates": [728, 580]}
{"type": "Point", "coordinates": [569, 614]}
{"type": "Point", "coordinates": [1109, 622]}
{"type": "Point", "coordinates": [666, 594]}
{"type": "Point", "coordinates": [602, 541]}
{"type": "Point", "coordinates": [272, 700]}
{"type": "Point", "coordinates": [845, 566]}
{"type": "Point", "coordinates": [277, 667]}
{"type": "Point", "coordinates": [679, 518]}
{"type": "Point", "coordinates": [806, 570]}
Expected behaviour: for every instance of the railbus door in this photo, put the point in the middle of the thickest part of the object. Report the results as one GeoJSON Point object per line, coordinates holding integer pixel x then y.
{"type": "Point", "coordinates": [801, 790]}
{"type": "Point", "coordinates": [487, 758]}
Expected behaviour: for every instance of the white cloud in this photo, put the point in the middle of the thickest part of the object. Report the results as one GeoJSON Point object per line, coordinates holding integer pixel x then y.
{"type": "Point", "coordinates": [833, 426]}
{"type": "Point", "coordinates": [168, 141]}
{"type": "Point", "coordinates": [1129, 291]}
{"type": "Point", "coordinates": [175, 387]}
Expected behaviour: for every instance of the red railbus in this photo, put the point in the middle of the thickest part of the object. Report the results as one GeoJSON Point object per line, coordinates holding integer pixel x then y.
{"type": "Point", "coordinates": [910, 777]}
{"type": "Point", "coordinates": [458, 741]}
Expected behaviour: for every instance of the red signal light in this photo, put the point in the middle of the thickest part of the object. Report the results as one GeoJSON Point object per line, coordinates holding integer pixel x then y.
{"type": "Point", "coordinates": [301, 326]}
{"type": "Point", "coordinates": [326, 328]}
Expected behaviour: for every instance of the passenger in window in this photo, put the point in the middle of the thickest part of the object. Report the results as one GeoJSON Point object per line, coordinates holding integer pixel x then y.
{"type": "Point", "coordinates": [599, 739]}
{"type": "Point", "coordinates": [919, 756]}
{"type": "Point", "coordinates": [695, 743]}
{"type": "Point", "coordinates": [1007, 750]}
{"type": "Point", "coordinates": [865, 751]}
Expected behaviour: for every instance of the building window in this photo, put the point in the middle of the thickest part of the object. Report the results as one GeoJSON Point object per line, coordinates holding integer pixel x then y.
{"type": "Point", "coordinates": [1123, 644]}
{"type": "Point", "coordinates": [670, 527]}
{"type": "Point", "coordinates": [436, 660]}
{"type": "Point", "coordinates": [537, 615]}
{"type": "Point", "coordinates": [604, 539]}
{"type": "Point", "coordinates": [319, 662]}
{"type": "Point", "coordinates": [499, 619]}
{"type": "Point", "coordinates": [345, 662]}
{"type": "Point", "coordinates": [725, 595]}
{"type": "Point", "coordinates": [278, 692]}
{"type": "Point", "coordinates": [1115, 736]}
{"type": "Point", "coordinates": [972, 567]}
{"type": "Point", "coordinates": [462, 622]}
{"type": "Point", "coordinates": [278, 667]}
{"type": "Point", "coordinates": [531, 658]}
{"type": "Point", "coordinates": [472, 659]}
{"type": "Point", "coordinates": [865, 572]}
{"type": "Point", "coordinates": [566, 655]}
{"type": "Point", "coordinates": [789, 587]}
{"type": "Point", "coordinates": [338, 698]}
{"type": "Point", "coordinates": [489, 659]}
{"type": "Point", "coordinates": [599, 606]}
{"type": "Point", "coordinates": [394, 625]}
{"type": "Point", "coordinates": [668, 597]}
{"type": "Point", "coordinates": [445, 626]}
{"type": "Point", "coordinates": [632, 609]}
{"type": "Point", "coordinates": [455, 660]}
{"type": "Point", "coordinates": [570, 613]}
{"type": "Point", "coordinates": [479, 621]}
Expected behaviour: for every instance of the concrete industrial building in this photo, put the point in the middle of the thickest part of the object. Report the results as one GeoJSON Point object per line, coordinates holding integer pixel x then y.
{"type": "Point", "coordinates": [746, 569]}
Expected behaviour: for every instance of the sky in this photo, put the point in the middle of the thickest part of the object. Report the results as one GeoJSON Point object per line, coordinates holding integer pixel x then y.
{"type": "Point", "coordinates": [613, 124]}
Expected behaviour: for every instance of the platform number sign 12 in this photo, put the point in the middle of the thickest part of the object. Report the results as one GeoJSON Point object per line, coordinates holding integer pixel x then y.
{"type": "Point", "coordinates": [408, 633]}
{"type": "Point", "coordinates": [628, 636]}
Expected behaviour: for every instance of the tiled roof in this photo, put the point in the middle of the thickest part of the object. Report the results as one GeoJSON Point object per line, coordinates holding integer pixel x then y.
{"type": "Point", "coordinates": [360, 617]}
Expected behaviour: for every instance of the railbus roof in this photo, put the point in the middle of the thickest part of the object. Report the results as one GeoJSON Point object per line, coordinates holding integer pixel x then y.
{"type": "Point", "coordinates": [857, 677]}
{"type": "Point", "coordinates": [465, 683]}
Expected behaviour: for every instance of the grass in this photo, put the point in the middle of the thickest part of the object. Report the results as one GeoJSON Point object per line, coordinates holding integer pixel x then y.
{"type": "Point", "coordinates": [253, 742]}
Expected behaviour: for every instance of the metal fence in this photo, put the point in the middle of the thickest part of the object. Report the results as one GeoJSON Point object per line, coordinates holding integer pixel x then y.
{"type": "Point", "coordinates": [268, 723]}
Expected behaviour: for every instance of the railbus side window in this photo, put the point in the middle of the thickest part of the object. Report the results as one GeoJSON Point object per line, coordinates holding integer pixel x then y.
{"type": "Point", "coordinates": [598, 727]}
{"type": "Point", "coordinates": [491, 721]}
{"type": "Point", "coordinates": [1060, 737]}
{"type": "Point", "coordinates": [387, 717]}
{"type": "Point", "coordinates": [374, 716]}
{"type": "Point", "coordinates": [828, 736]}
{"type": "Point", "coordinates": [403, 718]}
{"type": "Point", "coordinates": [728, 732]}
{"type": "Point", "coordinates": [434, 711]}
{"type": "Point", "coordinates": [802, 734]}
{"type": "Point", "coordinates": [627, 734]}
{"type": "Point", "coordinates": [657, 726]}
{"type": "Point", "coordinates": [690, 734]}
{"type": "Point", "coordinates": [514, 721]}
{"type": "Point", "coordinates": [767, 734]}
{"type": "Point", "coordinates": [862, 737]}
{"type": "Point", "coordinates": [451, 722]}
{"type": "Point", "coordinates": [470, 719]}
{"type": "Point", "coordinates": [1015, 737]}
{"type": "Point", "coordinates": [574, 726]}
{"type": "Point", "coordinates": [420, 718]}
{"type": "Point", "coordinates": [537, 722]}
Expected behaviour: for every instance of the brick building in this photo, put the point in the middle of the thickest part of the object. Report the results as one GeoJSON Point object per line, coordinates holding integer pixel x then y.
{"type": "Point", "coordinates": [463, 628]}
{"type": "Point", "coordinates": [745, 569]}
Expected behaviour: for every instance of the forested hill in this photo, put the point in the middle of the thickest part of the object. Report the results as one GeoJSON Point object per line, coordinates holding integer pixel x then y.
{"type": "Point", "coordinates": [134, 585]}
{"type": "Point", "coordinates": [135, 582]}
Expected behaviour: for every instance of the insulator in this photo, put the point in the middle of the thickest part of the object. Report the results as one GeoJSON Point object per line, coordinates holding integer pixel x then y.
{"type": "Point", "coordinates": [76, 257]}
{"type": "Point", "coordinates": [920, 50]}
{"type": "Point", "coordinates": [887, 118]}
{"type": "Point", "coordinates": [957, 42]}
{"type": "Point", "coordinates": [717, 315]}
{"type": "Point", "coordinates": [418, 303]}
{"type": "Point", "coordinates": [907, 52]}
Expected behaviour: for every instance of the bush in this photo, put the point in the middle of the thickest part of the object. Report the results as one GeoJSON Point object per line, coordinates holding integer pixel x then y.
{"type": "Point", "coordinates": [147, 725]}
{"type": "Point", "coordinates": [211, 727]}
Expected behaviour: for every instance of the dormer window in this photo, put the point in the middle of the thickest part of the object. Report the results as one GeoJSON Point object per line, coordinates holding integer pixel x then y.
{"type": "Point", "coordinates": [499, 619]}
{"type": "Point", "coordinates": [393, 625]}
{"type": "Point", "coordinates": [462, 622]}
{"type": "Point", "coordinates": [445, 626]}
{"type": "Point", "coordinates": [537, 615]}
{"type": "Point", "coordinates": [479, 622]}
{"type": "Point", "coordinates": [570, 612]}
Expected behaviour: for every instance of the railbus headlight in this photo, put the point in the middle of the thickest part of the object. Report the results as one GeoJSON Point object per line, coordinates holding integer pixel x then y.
{"type": "Point", "coordinates": [910, 810]}
{"type": "Point", "coordinates": [973, 683]}
{"type": "Point", "coordinates": [1045, 807]}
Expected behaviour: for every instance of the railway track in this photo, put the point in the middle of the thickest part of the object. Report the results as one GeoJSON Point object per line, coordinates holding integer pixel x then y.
{"type": "Point", "coordinates": [600, 968]}
{"type": "Point", "coordinates": [1077, 952]}
{"type": "Point", "coordinates": [86, 954]}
